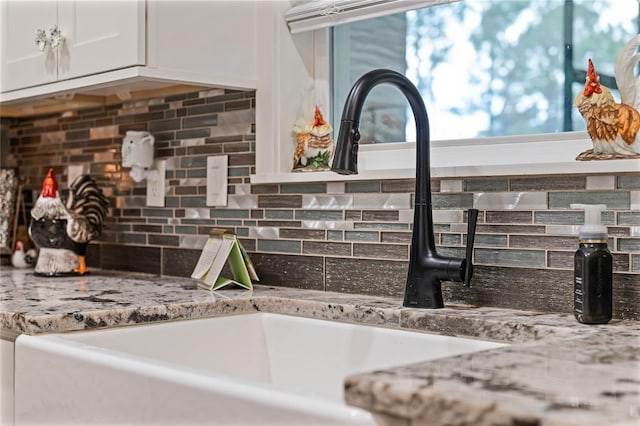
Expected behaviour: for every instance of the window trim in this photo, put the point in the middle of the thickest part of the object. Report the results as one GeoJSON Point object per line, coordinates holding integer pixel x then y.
{"type": "Point", "coordinates": [317, 14]}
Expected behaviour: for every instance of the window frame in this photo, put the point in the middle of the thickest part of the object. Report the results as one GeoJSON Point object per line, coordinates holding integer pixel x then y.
{"type": "Point", "coordinates": [280, 80]}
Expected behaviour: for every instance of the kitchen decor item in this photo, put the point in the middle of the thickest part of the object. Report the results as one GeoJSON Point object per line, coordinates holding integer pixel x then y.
{"type": "Point", "coordinates": [63, 232]}
{"type": "Point", "coordinates": [614, 128]}
{"type": "Point", "coordinates": [314, 144]}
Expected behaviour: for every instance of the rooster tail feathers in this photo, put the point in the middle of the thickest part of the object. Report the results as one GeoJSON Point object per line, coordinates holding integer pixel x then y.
{"type": "Point", "coordinates": [86, 200]}
{"type": "Point", "coordinates": [628, 83]}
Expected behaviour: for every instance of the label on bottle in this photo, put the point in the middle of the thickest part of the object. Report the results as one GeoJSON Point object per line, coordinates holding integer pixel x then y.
{"type": "Point", "coordinates": [578, 289]}
{"type": "Point", "coordinates": [577, 295]}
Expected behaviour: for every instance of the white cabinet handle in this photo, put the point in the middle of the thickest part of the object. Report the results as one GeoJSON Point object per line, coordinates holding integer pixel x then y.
{"type": "Point", "coordinates": [41, 39]}
{"type": "Point", "coordinates": [56, 38]}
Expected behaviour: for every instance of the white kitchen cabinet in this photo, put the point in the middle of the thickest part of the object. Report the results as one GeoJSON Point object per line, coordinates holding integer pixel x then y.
{"type": "Point", "coordinates": [118, 48]}
{"type": "Point", "coordinates": [7, 349]}
{"type": "Point", "coordinates": [97, 36]}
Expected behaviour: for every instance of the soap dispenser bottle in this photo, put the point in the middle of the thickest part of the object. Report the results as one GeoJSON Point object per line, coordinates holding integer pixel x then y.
{"type": "Point", "coordinates": [593, 267]}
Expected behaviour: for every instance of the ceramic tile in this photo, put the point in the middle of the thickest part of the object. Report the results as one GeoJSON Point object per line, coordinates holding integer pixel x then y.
{"type": "Point", "coordinates": [303, 188]}
{"type": "Point", "coordinates": [379, 215]}
{"type": "Point", "coordinates": [395, 237]}
{"type": "Point", "coordinates": [278, 214]}
{"type": "Point", "coordinates": [193, 241]}
{"type": "Point", "coordinates": [242, 201]}
{"type": "Point", "coordinates": [629, 244]}
{"type": "Point", "coordinates": [302, 234]}
{"type": "Point", "coordinates": [381, 251]}
{"type": "Point", "coordinates": [335, 187]}
{"type": "Point", "coordinates": [326, 248]}
{"type": "Point", "coordinates": [510, 201]}
{"type": "Point", "coordinates": [358, 187]}
{"type": "Point", "coordinates": [229, 213]}
{"type": "Point", "coordinates": [381, 226]}
{"type": "Point", "coordinates": [447, 216]}
{"type": "Point", "coordinates": [281, 246]}
{"type": "Point", "coordinates": [451, 185]}
{"type": "Point", "coordinates": [280, 201]}
{"type": "Point", "coordinates": [330, 202]}
{"type": "Point", "coordinates": [452, 201]}
{"type": "Point", "coordinates": [548, 183]}
{"type": "Point", "coordinates": [383, 201]}
{"type": "Point", "coordinates": [629, 182]}
{"type": "Point", "coordinates": [335, 235]}
{"type": "Point", "coordinates": [601, 182]}
{"type": "Point", "coordinates": [264, 232]}
{"type": "Point", "coordinates": [484, 185]}
{"type": "Point", "coordinates": [362, 236]}
{"type": "Point", "coordinates": [319, 214]}
{"type": "Point", "coordinates": [563, 229]}
{"type": "Point", "coordinates": [613, 200]}
{"type": "Point", "coordinates": [327, 224]}
{"type": "Point", "coordinates": [628, 218]}
{"type": "Point", "coordinates": [520, 258]}
{"type": "Point", "coordinates": [407, 185]}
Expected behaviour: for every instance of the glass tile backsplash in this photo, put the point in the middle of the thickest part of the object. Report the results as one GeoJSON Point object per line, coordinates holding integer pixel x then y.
{"type": "Point", "coordinates": [350, 237]}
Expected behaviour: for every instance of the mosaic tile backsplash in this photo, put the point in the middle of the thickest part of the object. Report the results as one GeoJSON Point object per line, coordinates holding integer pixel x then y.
{"type": "Point", "coordinates": [347, 236]}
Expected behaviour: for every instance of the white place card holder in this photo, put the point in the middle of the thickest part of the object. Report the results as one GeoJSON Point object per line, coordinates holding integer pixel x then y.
{"type": "Point", "coordinates": [220, 248]}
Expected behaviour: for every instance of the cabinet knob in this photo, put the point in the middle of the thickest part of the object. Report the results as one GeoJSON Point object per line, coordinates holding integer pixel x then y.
{"type": "Point", "coordinates": [56, 38]}
{"type": "Point", "coordinates": [41, 39]}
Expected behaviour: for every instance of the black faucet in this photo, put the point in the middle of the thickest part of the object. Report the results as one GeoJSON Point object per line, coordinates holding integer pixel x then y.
{"type": "Point", "coordinates": [427, 269]}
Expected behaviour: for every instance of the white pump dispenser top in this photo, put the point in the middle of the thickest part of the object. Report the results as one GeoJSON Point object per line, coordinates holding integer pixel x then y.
{"type": "Point", "coordinates": [593, 229]}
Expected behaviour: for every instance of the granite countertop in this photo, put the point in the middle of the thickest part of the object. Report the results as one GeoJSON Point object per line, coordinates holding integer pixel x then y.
{"type": "Point", "coordinates": [555, 372]}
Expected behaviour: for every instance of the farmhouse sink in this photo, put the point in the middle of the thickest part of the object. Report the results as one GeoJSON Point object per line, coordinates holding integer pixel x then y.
{"type": "Point", "coordinates": [261, 368]}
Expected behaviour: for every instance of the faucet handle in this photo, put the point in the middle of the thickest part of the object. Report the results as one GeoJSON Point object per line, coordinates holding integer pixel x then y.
{"type": "Point", "coordinates": [472, 219]}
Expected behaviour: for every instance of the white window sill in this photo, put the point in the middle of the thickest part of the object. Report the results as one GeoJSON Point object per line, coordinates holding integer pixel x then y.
{"type": "Point", "coordinates": [550, 154]}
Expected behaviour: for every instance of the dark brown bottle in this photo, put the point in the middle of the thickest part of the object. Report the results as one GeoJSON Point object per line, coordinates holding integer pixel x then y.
{"type": "Point", "coordinates": [593, 301]}
{"type": "Point", "coordinates": [593, 269]}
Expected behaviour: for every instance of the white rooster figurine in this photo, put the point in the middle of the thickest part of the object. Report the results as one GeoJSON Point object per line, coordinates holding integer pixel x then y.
{"type": "Point", "coordinates": [61, 232]}
{"type": "Point", "coordinates": [614, 128]}
{"type": "Point", "coordinates": [19, 256]}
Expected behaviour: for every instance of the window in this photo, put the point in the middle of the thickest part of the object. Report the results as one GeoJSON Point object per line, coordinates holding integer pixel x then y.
{"type": "Point", "coordinates": [294, 57]}
{"type": "Point", "coordinates": [484, 67]}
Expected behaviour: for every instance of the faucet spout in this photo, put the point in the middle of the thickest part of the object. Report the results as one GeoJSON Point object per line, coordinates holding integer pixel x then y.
{"type": "Point", "coordinates": [427, 269]}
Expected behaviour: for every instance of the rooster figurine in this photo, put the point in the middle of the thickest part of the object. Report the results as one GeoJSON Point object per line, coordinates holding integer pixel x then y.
{"type": "Point", "coordinates": [314, 145]}
{"type": "Point", "coordinates": [62, 233]}
{"type": "Point", "coordinates": [614, 128]}
{"type": "Point", "coordinates": [19, 256]}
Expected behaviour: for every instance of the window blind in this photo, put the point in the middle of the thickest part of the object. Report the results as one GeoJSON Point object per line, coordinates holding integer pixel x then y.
{"type": "Point", "coordinates": [316, 14]}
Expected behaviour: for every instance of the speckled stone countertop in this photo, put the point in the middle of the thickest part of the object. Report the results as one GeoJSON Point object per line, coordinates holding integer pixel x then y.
{"type": "Point", "coordinates": [555, 372]}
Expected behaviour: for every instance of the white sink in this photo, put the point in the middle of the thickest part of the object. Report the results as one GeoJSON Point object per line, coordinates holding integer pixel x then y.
{"type": "Point", "coordinates": [263, 369]}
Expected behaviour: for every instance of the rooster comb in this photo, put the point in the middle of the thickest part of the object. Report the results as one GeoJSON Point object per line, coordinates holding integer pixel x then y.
{"type": "Point", "coordinates": [592, 85]}
{"type": "Point", "coordinates": [592, 75]}
{"type": "Point", "coordinates": [49, 185]}
{"type": "Point", "coordinates": [317, 116]}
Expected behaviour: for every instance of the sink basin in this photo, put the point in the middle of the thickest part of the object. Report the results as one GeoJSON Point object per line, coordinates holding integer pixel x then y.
{"type": "Point", "coordinates": [246, 369]}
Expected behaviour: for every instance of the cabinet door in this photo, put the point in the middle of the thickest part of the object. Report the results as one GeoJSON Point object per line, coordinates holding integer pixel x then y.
{"type": "Point", "coordinates": [100, 35]}
{"type": "Point", "coordinates": [23, 65]}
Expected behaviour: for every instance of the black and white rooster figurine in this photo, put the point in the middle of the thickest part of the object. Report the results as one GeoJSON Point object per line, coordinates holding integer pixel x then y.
{"type": "Point", "coordinates": [62, 233]}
